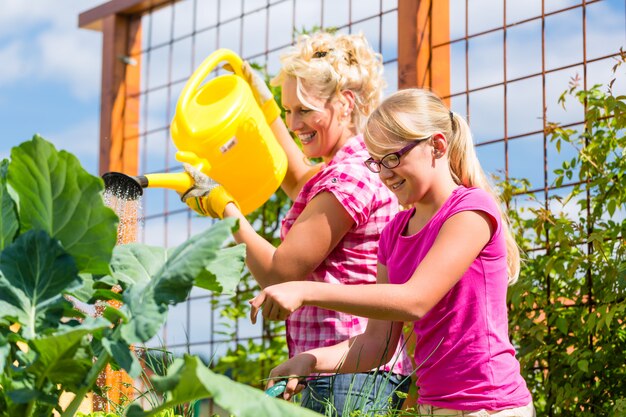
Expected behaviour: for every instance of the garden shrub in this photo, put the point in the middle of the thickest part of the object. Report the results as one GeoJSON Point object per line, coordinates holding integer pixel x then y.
{"type": "Point", "coordinates": [567, 310]}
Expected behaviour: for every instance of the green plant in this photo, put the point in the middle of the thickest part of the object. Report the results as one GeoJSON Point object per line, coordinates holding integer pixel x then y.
{"type": "Point", "coordinates": [155, 361]}
{"type": "Point", "coordinates": [568, 309]}
{"type": "Point", "coordinates": [57, 242]}
{"type": "Point", "coordinates": [164, 413]}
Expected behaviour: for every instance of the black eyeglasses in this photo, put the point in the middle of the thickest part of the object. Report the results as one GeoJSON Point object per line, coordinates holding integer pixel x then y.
{"type": "Point", "coordinates": [391, 160]}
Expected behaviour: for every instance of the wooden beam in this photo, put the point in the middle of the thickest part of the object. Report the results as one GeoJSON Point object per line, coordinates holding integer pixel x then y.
{"type": "Point", "coordinates": [407, 43]}
{"type": "Point", "coordinates": [423, 48]}
{"type": "Point", "coordinates": [94, 18]}
{"type": "Point", "coordinates": [119, 100]}
{"type": "Point", "coordinates": [120, 24]}
{"type": "Point", "coordinates": [119, 104]}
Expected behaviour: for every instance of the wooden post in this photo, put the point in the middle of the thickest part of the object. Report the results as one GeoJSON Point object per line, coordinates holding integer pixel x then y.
{"type": "Point", "coordinates": [119, 145]}
{"type": "Point", "coordinates": [423, 48]}
{"type": "Point", "coordinates": [119, 122]}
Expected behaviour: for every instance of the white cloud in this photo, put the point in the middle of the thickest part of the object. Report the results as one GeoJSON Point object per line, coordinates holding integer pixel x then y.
{"type": "Point", "coordinates": [72, 60]}
{"type": "Point", "coordinates": [15, 64]}
{"type": "Point", "coordinates": [41, 40]}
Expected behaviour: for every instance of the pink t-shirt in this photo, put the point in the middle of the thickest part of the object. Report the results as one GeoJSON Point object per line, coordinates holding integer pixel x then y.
{"type": "Point", "coordinates": [353, 261]}
{"type": "Point", "coordinates": [464, 357]}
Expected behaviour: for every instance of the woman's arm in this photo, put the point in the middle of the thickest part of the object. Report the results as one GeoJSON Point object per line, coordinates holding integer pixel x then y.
{"type": "Point", "coordinates": [298, 172]}
{"type": "Point", "coordinates": [460, 241]}
{"type": "Point", "coordinates": [370, 350]}
{"type": "Point", "coordinates": [316, 232]}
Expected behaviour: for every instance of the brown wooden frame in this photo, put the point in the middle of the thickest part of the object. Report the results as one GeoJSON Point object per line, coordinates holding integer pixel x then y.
{"type": "Point", "coordinates": [422, 24]}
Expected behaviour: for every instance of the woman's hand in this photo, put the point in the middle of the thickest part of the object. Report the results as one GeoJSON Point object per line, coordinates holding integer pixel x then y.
{"type": "Point", "coordinates": [206, 197]}
{"type": "Point", "coordinates": [294, 371]}
{"type": "Point", "coordinates": [278, 301]}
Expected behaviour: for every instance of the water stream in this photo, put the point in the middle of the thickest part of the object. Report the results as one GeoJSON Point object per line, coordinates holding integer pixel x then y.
{"type": "Point", "coordinates": [129, 212]}
{"type": "Point", "coordinates": [119, 388]}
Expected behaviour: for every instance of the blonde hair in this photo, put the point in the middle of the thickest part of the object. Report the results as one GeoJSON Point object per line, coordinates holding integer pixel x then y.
{"type": "Point", "coordinates": [326, 64]}
{"type": "Point", "coordinates": [412, 114]}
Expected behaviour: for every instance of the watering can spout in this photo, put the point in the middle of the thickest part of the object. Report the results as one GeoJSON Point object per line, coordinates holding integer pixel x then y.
{"type": "Point", "coordinates": [128, 187]}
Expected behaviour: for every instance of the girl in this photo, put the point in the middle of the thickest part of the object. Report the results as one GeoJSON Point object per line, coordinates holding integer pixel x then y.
{"type": "Point", "coordinates": [444, 265]}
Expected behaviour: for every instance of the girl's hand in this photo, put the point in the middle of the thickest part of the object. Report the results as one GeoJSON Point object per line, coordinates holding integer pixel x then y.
{"type": "Point", "coordinates": [294, 371]}
{"type": "Point", "coordinates": [278, 301]}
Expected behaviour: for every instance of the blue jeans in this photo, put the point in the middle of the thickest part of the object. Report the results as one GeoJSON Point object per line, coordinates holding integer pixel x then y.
{"type": "Point", "coordinates": [372, 392]}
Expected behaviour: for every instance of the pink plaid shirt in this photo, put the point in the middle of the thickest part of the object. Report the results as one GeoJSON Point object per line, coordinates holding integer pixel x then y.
{"type": "Point", "coordinates": [353, 261]}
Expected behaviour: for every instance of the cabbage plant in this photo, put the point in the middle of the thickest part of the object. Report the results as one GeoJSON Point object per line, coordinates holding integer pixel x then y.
{"type": "Point", "coordinates": [58, 243]}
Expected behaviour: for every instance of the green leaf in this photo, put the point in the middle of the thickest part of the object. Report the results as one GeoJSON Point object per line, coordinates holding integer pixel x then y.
{"type": "Point", "coordinates": [583, 365]}
{"type": "Point", "coordinates": [57, 195]}
{"type": "Point", "coordinates": [5, 351]}
{"type": "Point", "coordinates": [9, 222]}
{"type": "Point", "coordinates": [62, 357]}
{"type": "Point", "coordinates": [85, 291]}
{"type": "Point", "coordinates": [224, 272]}
{"type": "Point", "coordinates": [189, 259]}
{"type": "Point", "coordinates": [35, 272]}
{"type": "Point", "coordinates": [611, 206]}
{"type": "Point", "coordinates": [114, 315]}
{"type": "Point", "coordinates": [123, 356]}
{"type": "Point", "coordinates": [165, 278]}
{"type": "Point", "coordinates": [136, 263]}
{"type": "Point", "coordinates": [562, 325]}
{"type": "Point", "coordinates": [188, 379]}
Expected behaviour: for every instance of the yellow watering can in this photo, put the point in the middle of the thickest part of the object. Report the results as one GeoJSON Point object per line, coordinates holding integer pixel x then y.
{"type": "Point", "coordinates": [219, 128]}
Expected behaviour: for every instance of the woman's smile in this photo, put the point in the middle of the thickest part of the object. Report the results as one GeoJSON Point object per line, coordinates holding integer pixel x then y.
{"type": "Point", "coordinates": [307, 138]}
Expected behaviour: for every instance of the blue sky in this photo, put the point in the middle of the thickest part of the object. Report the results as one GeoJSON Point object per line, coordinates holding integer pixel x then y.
{"type": "Point", "coordinates": [50, 72]}
{"type": "Point", "coordinates": [49, 77]}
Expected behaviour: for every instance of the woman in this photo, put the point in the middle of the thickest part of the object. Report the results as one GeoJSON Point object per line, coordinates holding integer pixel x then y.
{"type": "Point", "coordinates": [444, 265]}
{"type": "Point", "coordinates": [330, 83]}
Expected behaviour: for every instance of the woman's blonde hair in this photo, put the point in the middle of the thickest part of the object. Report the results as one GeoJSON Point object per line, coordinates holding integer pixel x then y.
{"type": "Point", "coordinates": [326, 64]}
{"type": "Point", "coordinates": [414, 113]}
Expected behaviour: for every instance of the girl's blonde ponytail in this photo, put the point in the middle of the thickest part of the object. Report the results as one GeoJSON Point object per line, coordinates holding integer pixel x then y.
{"type": "Point", "coordinates": [466, 170]}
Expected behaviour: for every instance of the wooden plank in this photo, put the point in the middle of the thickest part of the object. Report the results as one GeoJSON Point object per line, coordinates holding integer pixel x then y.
{"type": "Point", "coordinates": [94, 18]}
{"type": "Point", "coordinates": [407, 43]}
{"type": "Point", "coordinates": [440, 55]}
{"type": "Point", "coordinates": [107, 94]}
{"type": "Point", "coordinates": [131, 115]}
{"type": "Point", "coordinates": [423, 24]}
{"type": "Point", "coordinates": [119, 120]}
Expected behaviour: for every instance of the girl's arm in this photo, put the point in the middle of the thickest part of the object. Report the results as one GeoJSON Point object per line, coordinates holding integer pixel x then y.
{"type": "Point", "coordinates": [370, 350]}
{"type": "Point", "coordinates": [459, 242]}
{"type": "Point", "coordinates": [316, 232]}
{"type": "Point", "coordinates": [298, 172]}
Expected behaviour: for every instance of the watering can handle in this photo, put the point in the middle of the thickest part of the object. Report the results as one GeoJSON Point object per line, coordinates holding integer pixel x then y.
{"type": "Point", "coordinates": [204, 70]}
